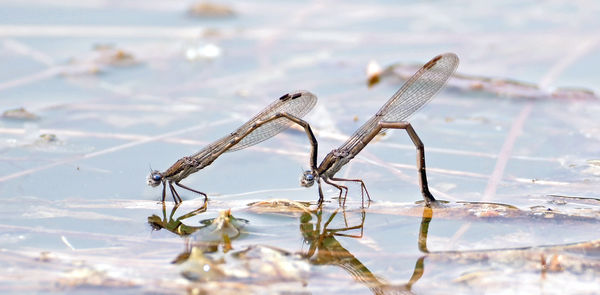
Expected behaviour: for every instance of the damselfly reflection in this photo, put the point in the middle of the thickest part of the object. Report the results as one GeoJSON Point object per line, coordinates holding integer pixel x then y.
{"type": "Point", "coordinates": [413, 95]}
{"type": "Point", "coordinates": [176, 225]}
{"type": "Point", "coordinates": [276, 117]}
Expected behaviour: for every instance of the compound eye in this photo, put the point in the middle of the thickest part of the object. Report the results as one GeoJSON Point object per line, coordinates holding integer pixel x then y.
{"type": "Point", "coordinates": [310, 177]}
{"type": "Point", "coordinates": [156, 177]}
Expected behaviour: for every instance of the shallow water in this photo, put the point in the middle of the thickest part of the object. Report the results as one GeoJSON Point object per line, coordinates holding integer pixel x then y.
{"type": "Point", "coordinates": [110, 90]}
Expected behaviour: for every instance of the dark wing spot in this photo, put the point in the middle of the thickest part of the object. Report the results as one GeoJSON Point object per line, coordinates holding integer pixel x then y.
{"type": "Point", "coordinates": [285, 96]}
{"type": "Point", "coordinates": [296, 95]}
{"type": "Point", "coordinates": [432, 62]}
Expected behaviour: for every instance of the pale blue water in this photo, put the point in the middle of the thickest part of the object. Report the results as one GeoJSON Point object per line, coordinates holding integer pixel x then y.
{"type": "Point", "coordinates": [84, 198]}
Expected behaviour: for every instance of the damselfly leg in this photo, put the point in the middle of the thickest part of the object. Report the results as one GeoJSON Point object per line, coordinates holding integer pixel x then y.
{"type": "Point", "coordinates": [363, 188]}
{"type": "Point", "coordinates": [427, 196]}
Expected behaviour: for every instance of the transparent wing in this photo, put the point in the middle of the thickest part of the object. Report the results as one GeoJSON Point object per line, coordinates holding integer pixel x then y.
{"type": "Point", "coordinates": [298, 104]}
{"type": "Point", "coordinates": [412, 96]}
{"type": "Point", "coordinates": [420, 88]}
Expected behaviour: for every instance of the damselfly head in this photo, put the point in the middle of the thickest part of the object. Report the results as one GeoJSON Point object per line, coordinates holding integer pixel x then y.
{"type": "Point", "coordinates": [155, 178]}
{"type": "Point", "coordinates": [307, 179]}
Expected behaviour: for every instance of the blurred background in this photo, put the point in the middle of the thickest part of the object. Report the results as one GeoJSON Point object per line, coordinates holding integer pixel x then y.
{"type": "Point", "coordinates": [95, 94]}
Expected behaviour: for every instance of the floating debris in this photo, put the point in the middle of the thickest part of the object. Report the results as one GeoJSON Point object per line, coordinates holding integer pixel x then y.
{"type": "Point", "coordinates": [579, 201]}
{"type": "Point", "coordinates": [210, 9]}
{"type": "Point", "coordinates": [213, 233]}
{"type": "Point", "coordinates": [573, 93]}
{"type": "Point", "coordinates": [19, 114]}
{"type": "Point", "coordinates": [45, 256]}
{"type": "Point", "coordinates": [594, 162]}
{"type": "Point", "coordinates": [374, 72]}
{"type": "Point", "coordinates": [90, 277]}
{"type": "Point", "coordinates": [279, 206]}
{"type": "Point", "coordinates": [46, 137]}
{"type": "Point", "coordinates": [197, 267]}
{"type": "Point", "coordinates": [554, 263]}
{"type": "Point", "coordinates": [109, 55]}
{"type": "Point", "coordinates": [102, 56]}
{"type": "Point", "coordinates": [255, 263]}
{"type": "Point", "coordinates": [221, 229]}
{"type": "Point", "coordinates": [494, 270]}
{"type": "Point", "coordinates": [581, 209]}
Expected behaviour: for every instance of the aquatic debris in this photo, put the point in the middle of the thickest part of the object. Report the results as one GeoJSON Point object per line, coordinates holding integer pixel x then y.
{"type": "Point", "coordinates": [109, 55]}
{"type": "Point", "coordinates": [374, 72]}
{"type": "Point", "coordinates": [47, 137]}
{"type": "Point", "coordinates": [488, 210]}
{"type": "Point", "coordinates": [197, 267]}
{"type": "Point", "coordinates": [86, 276]}
{"type": "Point", "coordinates": [266, 261]}
{"type": "Point", "coordinates": [19, 114]}
{"type": "Point", "coordinates": [210, 9]}
{"type": "Point", "coordinates": [206, 238]}
{"type": "Point", "coordinates": [203, 262]}
{"type": "Point", "coordinates": [493, 270]}
{"type": "Point", "coordinates": [255, 263]}
{"type": "Point", "coordinates": [580, 209]}
{"type": "Point", "coordinates": [553, 265]}
{"type": "Point", "coordinates": [573, 93]}
{"type": "Point", "coordinates": [279, 206]}
{"type": "Point", "coordinates": [595, 162]}
{"type": "Point", "coordinates": [45, 256]}
{"type": "Point", "coordinates": [221, 229]}
{"type": "Point", "coordinates": [48, 142]}
{"type": "Point", "coordinates": [580, 200]}
{"type": "Point", "coordinates": [102, 56]}
{"type": "Point", "coordinates": [542, 211]}
{"type": "Point", "coordinates": [497, 86]}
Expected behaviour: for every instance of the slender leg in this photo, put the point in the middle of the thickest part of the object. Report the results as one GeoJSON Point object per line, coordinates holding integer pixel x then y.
{"type": "Point", "coordinates": [363, 188]}
{"type": "Point", "coordinates": [427, 196]}
{"type": "Point", "coordinates": [192, 190]}
{"type": "Point", "coordinates": [320, 193]}
{"type": "Point", "coordinates": [339, 187]}
{"type": "Point", "coordinates": [164, 192]}
{"type": "Point", "coordinates": [174, 193]}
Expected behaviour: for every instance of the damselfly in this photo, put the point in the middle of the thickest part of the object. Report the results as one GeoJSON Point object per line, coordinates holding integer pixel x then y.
{"type": "Point", "coordinates": [414, 94]}
{"type": "Point", "coordinates": [276, 117]}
